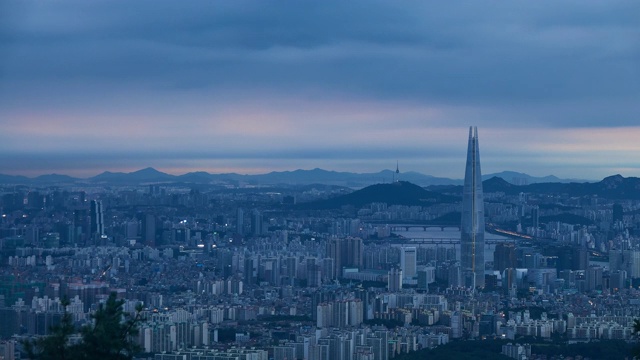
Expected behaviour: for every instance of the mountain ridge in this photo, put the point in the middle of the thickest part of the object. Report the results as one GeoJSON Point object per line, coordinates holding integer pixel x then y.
{"type": "Point", "coordinates": [294, 177]}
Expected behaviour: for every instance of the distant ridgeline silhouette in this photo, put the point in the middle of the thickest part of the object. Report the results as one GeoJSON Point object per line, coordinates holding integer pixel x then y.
{"type": "Point", "coordinates": [295, 177]}
{"type": "Point", "coordinates": [397, 193]}
{"type": "Point", "coordinates": [612, 187]}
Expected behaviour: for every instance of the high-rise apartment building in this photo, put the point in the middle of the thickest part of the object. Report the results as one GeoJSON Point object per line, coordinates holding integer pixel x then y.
{"type": "Point", "coordinates": [240, 221]}
{"type": "Point", "coordinates": [346, 252]}
{"type": "Point", "coordinates": [256, 223]}
{"type": "Point", "coordinates": [535, 220]}
{"type": "Point", "coordinates": [472, 222]}
{"type": "Point", "coordinates": [394, 282]}
{"type": "Point", "coordinates": [149, 229]}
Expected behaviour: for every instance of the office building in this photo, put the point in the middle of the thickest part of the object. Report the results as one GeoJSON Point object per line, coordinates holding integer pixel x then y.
{"type": "Point", "coordinates": [408, 261]}
{"type": "Point", "coordinates": [504, 257]}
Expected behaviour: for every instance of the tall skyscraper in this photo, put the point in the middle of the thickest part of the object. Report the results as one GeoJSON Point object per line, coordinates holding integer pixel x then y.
{"type": "Point", "coordinates": [97, 217]}
{"type": "Point", "coordinates": [472, 222]}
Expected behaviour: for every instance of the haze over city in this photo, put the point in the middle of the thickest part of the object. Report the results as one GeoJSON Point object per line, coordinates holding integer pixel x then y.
{"type": "Point", "coordinates": [253, 87]}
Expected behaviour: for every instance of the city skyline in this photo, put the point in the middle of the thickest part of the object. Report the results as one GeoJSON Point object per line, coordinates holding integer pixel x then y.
{"type": "Point", "coordinates": [250, 87]}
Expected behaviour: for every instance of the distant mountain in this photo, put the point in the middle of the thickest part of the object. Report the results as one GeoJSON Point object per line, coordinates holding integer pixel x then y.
{"type": "Point", "coordinates": [347, 178]}
{"type": "Point", "coordinates": [398, 193]}
{"type": "Point", "coordinates": [150, 175]}
{"type": "Point", "coordinates": [201, 177]}
{"type": "Point", "coordinates": [107, 176]}
{"type": "Point", "coordinates": [302, 177]}
{"type": "Point", "coordinates": [517, 178]}
{"type": "Point", "coordinates": [147, 175]}
{"type": "Point", "coordinates": [54, 178]}
{"type": "Point", "coordinates": [295, 177]}
{"type": "Point", "coordinates": [612, 187]}
{"type": "Point", "coordinates": [498, 184]}
{"type": "Point", "coordinates": [426, 180]}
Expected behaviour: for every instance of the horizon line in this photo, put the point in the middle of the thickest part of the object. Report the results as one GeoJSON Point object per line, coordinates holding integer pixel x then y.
{"type": "Point", "coordinates": [284, 171]}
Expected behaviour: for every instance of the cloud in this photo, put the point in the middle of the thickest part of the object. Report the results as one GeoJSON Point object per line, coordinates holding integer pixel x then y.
{"type": "Point", "coordinates": [473, 53]}
{"type": "Point", "coordinates": [333, 80]}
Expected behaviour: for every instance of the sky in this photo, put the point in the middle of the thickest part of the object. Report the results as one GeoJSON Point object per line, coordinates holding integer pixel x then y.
{"type": "Point", "coordinates": [259, 86]}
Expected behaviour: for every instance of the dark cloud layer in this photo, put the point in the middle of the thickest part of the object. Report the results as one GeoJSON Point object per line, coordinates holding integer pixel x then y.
{"type": "Point", "coordinates": [469, 51]}
{"type": "Point", "coordinates": [544, 64]}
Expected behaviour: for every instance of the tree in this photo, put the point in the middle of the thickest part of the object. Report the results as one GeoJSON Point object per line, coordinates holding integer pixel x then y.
{"type": "Point", "coordinates": [635, 352]}
{"type": "Point", "coordinates": [56, 345]}
{"type": "Point", "coordinates": [108, 337]}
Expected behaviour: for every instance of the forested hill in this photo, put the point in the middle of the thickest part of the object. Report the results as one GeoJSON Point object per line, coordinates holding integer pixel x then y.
{"type": "Point", "coordinates": [397, 193]}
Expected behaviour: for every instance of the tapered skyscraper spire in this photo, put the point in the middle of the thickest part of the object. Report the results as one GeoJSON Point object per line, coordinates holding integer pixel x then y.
{"type": "Point", "coordinates": [472, 224]}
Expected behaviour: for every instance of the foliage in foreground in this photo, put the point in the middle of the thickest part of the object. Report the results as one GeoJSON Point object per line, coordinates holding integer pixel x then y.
{"type": "Point", "coordinates": [491, 349]}
{"type": "Point", "coordinates": [460, 350]}
{"type": "Point", "coordinates": [108, 337]}
{"type": "Point", "coordinates": [603, 349]}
